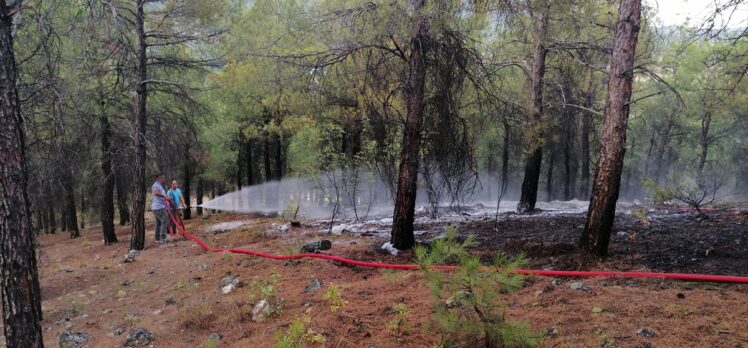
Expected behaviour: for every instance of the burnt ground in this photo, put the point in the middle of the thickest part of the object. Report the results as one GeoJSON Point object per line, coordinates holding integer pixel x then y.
{"type": "Point", "coordinates": [173, 289]}
{"type": "Point", "coordinates": [663, 240]}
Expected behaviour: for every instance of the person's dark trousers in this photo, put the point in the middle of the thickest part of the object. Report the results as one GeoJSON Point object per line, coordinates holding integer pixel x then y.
{"type": "Point", "coordinates": [162, 219]}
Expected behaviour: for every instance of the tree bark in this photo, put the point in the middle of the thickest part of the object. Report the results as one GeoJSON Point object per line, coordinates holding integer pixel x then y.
{"type": "Point", "coordinates": [199, 197]}
{"type": "Point", "coordinates": [662, 149]}
{"type": "Point", "coordinates": [187, 211]}
{"type": "Point", "coordinates": [402, 236]}
{"type": "Point", "coordinates": [605, 188]}
{"type": "Point", "coordinates": [107, 194]}
{"type": "Point", "coordinates": [19, 283]}
{"type": "Point", "coordinates": [706, 122]}
{"type": "Point", "coordinates": [83, 210]}
{"type": "Point", "coordinates": [71, 215]}
{"type": "Point", "coordinates": [239, 167]}
{"type": "Point", "coordinates": [122, 187]}
{"type": "Point", "coordinates": [268, 168]}
{"type": "Point", "coordinates": [51, 220]}
{"type": "Point", "coordinates": [586, 120]}
{"type": "Point", "coordinates": [137, 242]}
{"type": "Point", "coordinates": [535, 133]}
{"type": "Point", "coordinates": [248, 162]}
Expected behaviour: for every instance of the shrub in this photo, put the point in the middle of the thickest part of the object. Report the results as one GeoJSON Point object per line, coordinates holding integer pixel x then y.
{"type": "Point", "coordinates": [299, 333]}
{"type": "Point", "coordinates": [469, 309]}
{"type": "Point", "coordinates": [399, 324]}
{"type": "Point", "coordinates": [334, 297]}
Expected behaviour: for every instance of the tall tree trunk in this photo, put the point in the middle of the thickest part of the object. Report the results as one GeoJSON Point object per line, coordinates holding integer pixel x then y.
{"type": "Point", "coordinates": [570, 161]}
{"type": "Point", "coordinates": [650, 149]}
{"type": "Point", "coordinates": [20, 279]}
{"type": "Point", "coordinates": [71, 215]}
{"type": "Point", "coordinates": [549, 178]}
{"type": "Point", "coordinates": [402, 236]}
{"type": "Point", "coordinates": [535, 133]}
{"type": "Point", "coordinates": [63, 215]}
{"type": "Point", "coordinates": [187, 211]}
{"type": "Point", "coordinates": [199, 196]}
{"type": "Point", "coordinates": [239, 167]}
{"type": "Point", "coordinates": [50, 207]}
{"type": "Point", "coordinates": [137, 242]}
{"type": "Point", "coordinates": [586, 120]}
{"type": "Point", "coordinates": [278, 157]}
{"type": "Point", "coordinates": [268, 168]}
{"type": "Point", "coordinates": [83, 210]}
{"type": "Point", "coordinates": [706, 122]}
{"type": "Point", "coordinates": [601, 214]}
{"type": "Point", "coordinates": [662, 150]}
{"type": "Point", "coordinates": [106, 212]}
{"type": "Point", "coordinates": [122, 187]}
{"type": "Point", "coordinates": [249, 164]}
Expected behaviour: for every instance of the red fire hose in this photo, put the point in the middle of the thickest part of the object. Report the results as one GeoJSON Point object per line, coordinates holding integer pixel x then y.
{"type": "Point", "coordinates": [678, 276]}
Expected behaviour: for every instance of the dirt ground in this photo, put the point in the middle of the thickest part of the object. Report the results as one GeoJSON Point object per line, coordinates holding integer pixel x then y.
{"type": "Point", "coordinates": [173, 289]}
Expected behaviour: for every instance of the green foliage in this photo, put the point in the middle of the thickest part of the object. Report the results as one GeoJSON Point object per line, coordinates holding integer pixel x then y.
{"type": "Point", "coordinates": [469, 307]}
{"type": "Point", "coordinates": [299, 333]}
{"type": "Point", "coordinates": [659, 194]}
{"type": "Point", "coordinates": [267, 289]}
{"type": "Point", "coordinates": [399, 325]}
{"type": "Point", "coordinates": [334, 297]}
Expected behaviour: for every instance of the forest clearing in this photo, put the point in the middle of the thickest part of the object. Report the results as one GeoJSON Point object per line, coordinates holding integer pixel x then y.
{"type": "Point", "coordinates": [174, 289]}
{"type": "Point", "coordinates": [374, 173]}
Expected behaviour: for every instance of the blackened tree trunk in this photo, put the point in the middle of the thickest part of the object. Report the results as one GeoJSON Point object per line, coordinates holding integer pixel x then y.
{"type": "Point", "coordinates": [706, 121]}
{"type": "Point", "coordinates": [549, 177]}
{"type": "Point", "coordinates": [71, 215]}
{"type": "Point", "coordinates": [50, 207]}
{"type": "Point", "coordinates": [199, 196]}
{"type": "Point", "coordinates": [586, 120]}
{"type": "Point", "coordinates": [248, 161]}
{"type": "Point", "coordinates": [121, 185]}
{"type": "Point", "coordinates": [187, 212]}
{"type": "Point", "coordinates": [268, 168]}
{"type": "Point", "coordinates": [534, 135]}
{"type": "Point", "coordinates": [402, 236]}
{"type": "Point", "coordinates": [605, 188]}
{"type": "Point", "coordinates": [239, 168]}
{"type": "Point", "coordinates": [106, 211]}
{"type": "Point", "coordinates": [662, 149]}
{"type": "Point", "coordinates": [83, 210]}
{"type": "Point", "coordinates": [137, 242]}
{"type": "Point", "coordinates": [279, 165]}
{"type": "Point", "coordinates": [20, 280]}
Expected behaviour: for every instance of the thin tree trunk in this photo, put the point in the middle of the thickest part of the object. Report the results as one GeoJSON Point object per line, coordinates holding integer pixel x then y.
{"type": "Point", "coordinates": [71, 215]}
{"type": "Point", "coordinates": [83, 210]}
{"type": "Point", "coordinates": [662, 150]}
{"type": "Point", "coordinates": [601, 214]}
{"type": "Point", "coordinates": [586, 120]}
{"type": "Point", "coordinates": [187, 211]}
{"type": "Point", "coordinates": [549, 178]}
{"type": "Point", "coordinates": [107, 195]}
{"type": "Point", "coordinates": [249, 164]}
{"type": "Point", "coordinates": [19, 283]}
{"type": "Point", "coordinates": [402, 236]}
{"type": "Point", "coordinates": [535, 133]}
{"type": "Point", "coordinates": [239, 168]}
{"type": "Point", "coordinates": [706, 122]}
{"type": "Point", "coordinates": [121, 186]}
{"type": "Point", "coordinates": [137, 242]}
{"type": "Point", "coordinates": [652, 141]}
{"type": "Point", "coordinates": [199, 196]}
{"type": "Point", "coordinates": [52, 222]}
{"type": "Point", "coordinates": [268, 168]}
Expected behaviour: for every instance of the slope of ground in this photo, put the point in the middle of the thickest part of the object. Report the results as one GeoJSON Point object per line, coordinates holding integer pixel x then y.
{"type": "Point", "coordinates": [173, 289]}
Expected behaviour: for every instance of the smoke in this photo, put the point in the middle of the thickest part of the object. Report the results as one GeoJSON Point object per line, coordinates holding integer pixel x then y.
{"type": "Point", "coordinates": [358, 197]}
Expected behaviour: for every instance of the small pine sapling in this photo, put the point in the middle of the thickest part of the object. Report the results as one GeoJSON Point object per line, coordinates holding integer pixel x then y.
{"type": "Point", "coordinates": [334, 297]}
{"type": "Point", "coordinates": [299, 333]}
{"type": "Point", "coordinates": [470, 300]}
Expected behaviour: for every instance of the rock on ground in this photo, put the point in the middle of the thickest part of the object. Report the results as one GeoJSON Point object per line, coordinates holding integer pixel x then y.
{"type": "Point", "coordinates": [130, 257]}
{"type": "Point", "coordinates": [260, 311]}
{"type": "Point", "coordinates": [317, 246]}
{"type": "Point", "coordinates": [72, 339]}
{"type": "Point", "coordinates": [138, 337]}
{"type": "Point", "coordinates": [314, 285]}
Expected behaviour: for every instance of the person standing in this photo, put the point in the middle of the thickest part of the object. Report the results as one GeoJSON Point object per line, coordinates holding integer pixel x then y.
{"type": "Point", "coordinates": [177, 202]}
{"type": "Point", "coordinates": [158, 206]}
